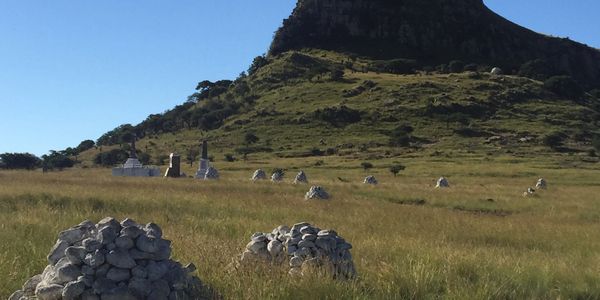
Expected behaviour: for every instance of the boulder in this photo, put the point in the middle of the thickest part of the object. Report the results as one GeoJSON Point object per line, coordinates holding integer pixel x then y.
{"type": "Point", "coordinates": [112, 260]}
{"type": "Point", "coordinates": [541, 184]}
{"type": "Point", "coordinates": [370, 180]}
{"type": "Point", "coordinates": [303, 248]}
{"type": "Point", "coordinates": [259, 175]}
{"type": "Point", "coordinates": [316, 192]}
{"type": "Point", "coordinates": [442, 183]}
{"type": "Point", "coordinates": [300, 178]}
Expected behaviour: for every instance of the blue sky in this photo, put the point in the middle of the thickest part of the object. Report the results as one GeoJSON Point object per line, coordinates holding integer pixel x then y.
{"type": "Point", "coordinates": [72, 70]}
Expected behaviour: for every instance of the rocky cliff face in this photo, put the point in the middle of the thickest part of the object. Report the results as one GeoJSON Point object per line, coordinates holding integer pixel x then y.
{"type": "Point", "coordinates": [432, 31]}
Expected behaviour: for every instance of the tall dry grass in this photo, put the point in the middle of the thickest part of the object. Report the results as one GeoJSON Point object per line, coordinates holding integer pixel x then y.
{"type": "Point", "coordinates": [478, 240]}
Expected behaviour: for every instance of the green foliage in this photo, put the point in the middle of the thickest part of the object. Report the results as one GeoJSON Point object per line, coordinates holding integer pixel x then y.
{"type": "Point", "coordinates": [56, 160]}
{"type": "Point", "coordinates": [229, 157]}
{"type": "Point", "coordinates": [366, 165]}
{"type": "Point", "coordinates": [250, 138]}
{"type": "Point", "coordinates": [85, 145]}
{"type": "Point", "coordinates": [144, 158]}
{"type": "Point", "coordinates": [395, 169]}
{"type": "Point", "coordinates": [456, 66]}
{"type": "Point", "coordinates": [538, 69]}
{"type": "Point", "coordinates": [25, 161]}
{"type": "Point", "coordinates": [596, 143]}
{"type": "Point", "coordinates": [401, 136]}
{"type": "Point", "coordinates": [394, 66]}
{"type": "Point", "coordinates": [257, 63]}
{"type": "Point", "coordinates": [111, 158]}
{"type": "Point", "coordinates": [338, 115]}
{"type": "Point", "coordinates": [337, 74]}
{"type": "Point", "coordinates": [564, 86]}
{"type": "Point", "coordinates": [554, 140]}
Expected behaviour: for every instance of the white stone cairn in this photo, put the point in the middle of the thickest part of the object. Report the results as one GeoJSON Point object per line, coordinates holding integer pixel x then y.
{"type": "Point", "coordinates": [316, 192]}
{"type": "Point", "coordinates": [259, 175]}
{"type": "Point", "coordinates": [370, 180]}
{"type": "Point", "coordinates": [277, 176]}
{"type": "Point", "coordinates": [541, 184]}
{"type": "Point", "coordinates": [300, 178]}
{"type": "Point", "coordinates": [442, 183]}
{"type": "Point", "coordinates": [112, 260]}
{"type": "Point", "coordinates": [304, 248]}
{"type": "Point", "coordinates": [496, 71]}
{"type": "Point", "coordinates": [211, 174]}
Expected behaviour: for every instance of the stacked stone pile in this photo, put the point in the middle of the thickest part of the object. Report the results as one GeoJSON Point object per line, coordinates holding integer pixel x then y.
{"type": "Point", "coordinates": [370, 180]}
{"type": "Point", "coordinates": [541, 184]}
{"type": "Point", "coordinates": [300, 178]}
{"type": "Point", "coordinates": [277, 176]}
{"type": "Point", "coordinates": [259, 175]}
{"type": "Point", "coordinates": [305, 248]}
{"type": "Point", "coordinates": [211, 174]}
{"type": "Point", "coordinates": [316, 192]}
{"type": "Point", "coordinates": [442, 183]}
{"type": "Point", "coordinates": [112, 260]}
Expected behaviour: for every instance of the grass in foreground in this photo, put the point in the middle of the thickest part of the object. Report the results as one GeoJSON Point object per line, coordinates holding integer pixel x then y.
{"type": "Point", "coordinates": [478, 240]}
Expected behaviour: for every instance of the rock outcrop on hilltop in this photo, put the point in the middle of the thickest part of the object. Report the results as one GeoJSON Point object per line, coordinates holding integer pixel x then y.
{"type": "Point", "coordinates": [431, 31]}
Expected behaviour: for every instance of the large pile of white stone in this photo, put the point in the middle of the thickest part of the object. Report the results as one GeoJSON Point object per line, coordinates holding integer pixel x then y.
{"type": "Point", "coordinates": [112, 260]}
{"type": "Point", "coordinates": [370, 180]}
{"type": "Point", "coordinates": [442, 183]}
{"type": "Point", "coordinates": [541, 184]}
{"type": "Point", "coordinates": [300, 178]}
{"type": "Point", "coordinates": [277, 176]}
{"type": "Point", "coordinates": [305, 248]}
{"type": "Point", "coordinates": [316, 192]}
{"type": "Point", "coordinates": [259, 175]}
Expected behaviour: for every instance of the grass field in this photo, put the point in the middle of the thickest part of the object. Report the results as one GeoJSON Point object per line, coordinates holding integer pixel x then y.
{"type": "Point", "coordinates": [480, 239]}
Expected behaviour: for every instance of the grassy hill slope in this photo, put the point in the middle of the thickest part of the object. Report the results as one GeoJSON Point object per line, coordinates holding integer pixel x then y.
{"type": "Point", "coordinates": [295, 107]}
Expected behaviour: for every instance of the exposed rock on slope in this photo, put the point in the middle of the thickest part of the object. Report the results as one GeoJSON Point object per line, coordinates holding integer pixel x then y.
{"type": "Point", "coordinates": [432, 31]}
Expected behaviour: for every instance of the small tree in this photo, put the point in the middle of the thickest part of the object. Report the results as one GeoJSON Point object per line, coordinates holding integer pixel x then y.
{"type": "Point", "coordinates": [229, 157]}
{"type": "Point", "coordinates": [400, 136]}
{"type": "Point", "coordinates": [596, 143]}
{"type": "Point", "coordinates": [554, 140]}
{"type": "Point", "coordinates": [564, 86]}
{"type": "Point", "coordinates": [337, 74]}
{"type": "Point", "coordinates": [191, 155]}
{"type": "Point", "coordinates": [366, 165]}
{"type": "Point", "coordinates": [395, 169]}
{"type": "Point", "coordinates": [250, 138]}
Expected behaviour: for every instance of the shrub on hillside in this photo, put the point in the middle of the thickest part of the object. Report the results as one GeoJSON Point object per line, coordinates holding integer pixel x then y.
{"type": "Point", "coordinates": [56, 160]}
{"type": "Point", "coordinates": [564, 86]}
{"type": "Point", "coordinates": [456, 66]}
{"type": "Point", "coordinates": [394, 66]}
{"type": "Point", "coordinates": [537, 69]}
{"type": "Point", "coordinates": [400, 136]}
{"type": "Point", "coordinates": [19, 161]}
{"type": "Point", "coordinates": [111, 158]}
{"type": "Point", "coordinates": [554, 140]}
{"type": "Point", "coordinates": [338, 116]}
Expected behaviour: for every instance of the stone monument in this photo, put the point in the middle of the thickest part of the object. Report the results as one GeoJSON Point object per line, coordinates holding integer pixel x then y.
{"type": "Point", "coordinates": [442, 183]}
{"type": "Point", "coordinates": [174, 170]}
{"type": "Point", "coordinates": [204, 162]}
{"type": "Point", "coordinates": [134, 168]}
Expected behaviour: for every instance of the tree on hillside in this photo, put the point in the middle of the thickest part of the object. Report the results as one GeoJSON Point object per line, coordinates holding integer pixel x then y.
{"type": "Point", "coordinates": [366, 165]}
{"type": "Point", "coordinates": [85, 145]}
{"type": "Point", "coordinates": [395, 169]}
{"type": "Point", "coordinates": [250, 138]}
{"type": "Point", "coordinates": [564, 86]}
{"type": "Point", "coordinates": [57, 160]}
{"type": "Point", "coordinates": [400, 136]}
{"type": "Point", "coordinates": [26, 161]}
{"type": "Point", "coordinates": [257, 63]}
{"type": "Point", "coordinates": [191, 155]}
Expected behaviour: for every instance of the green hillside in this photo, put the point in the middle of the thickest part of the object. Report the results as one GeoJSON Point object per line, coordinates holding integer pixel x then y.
{"type": "Point", "coordinates": [315, 102]}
